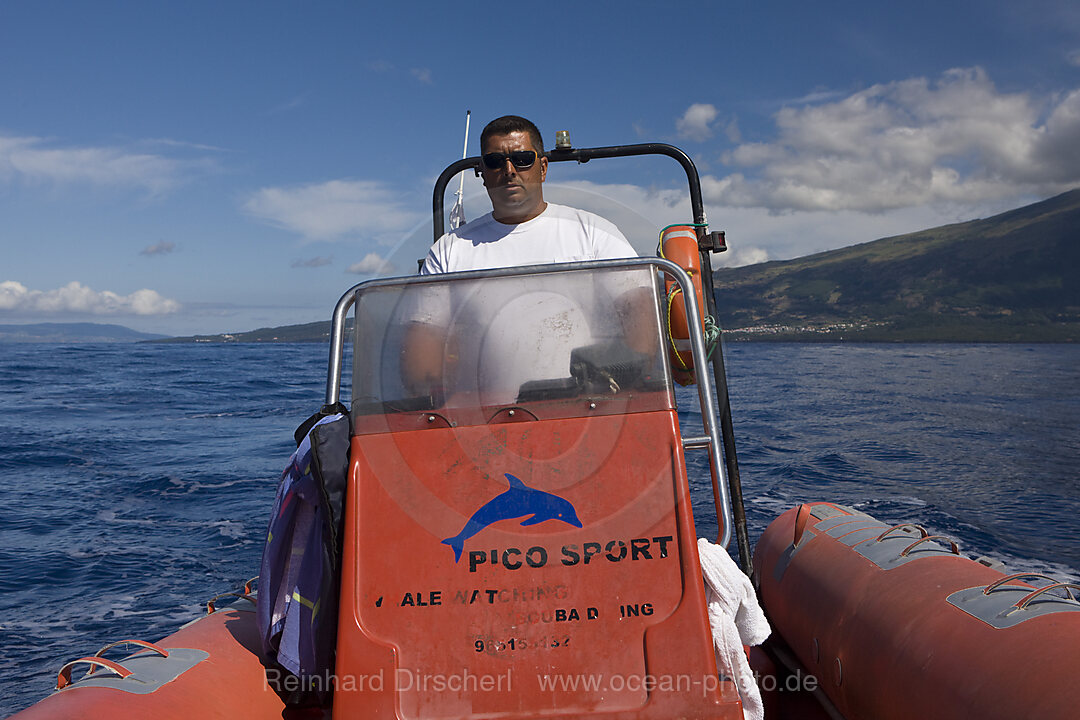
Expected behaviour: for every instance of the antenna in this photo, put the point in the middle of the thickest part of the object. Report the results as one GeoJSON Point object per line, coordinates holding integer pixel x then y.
{"type": "Point", "coordinates": [457, 213]}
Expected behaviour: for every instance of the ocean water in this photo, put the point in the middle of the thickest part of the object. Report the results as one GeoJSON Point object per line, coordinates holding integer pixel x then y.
{"type": "Point", "coordinates": [139, 478]}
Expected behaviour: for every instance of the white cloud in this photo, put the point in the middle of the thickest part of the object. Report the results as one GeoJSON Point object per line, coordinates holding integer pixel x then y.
{"type": "Point", "coordinates": [80, 299]}
{"type": "Point", "coordinates": [380, 66]}
{"type": "Point", "coordinates": [637, 211]}
{"type": "Point", "coordinates": [288, 105]}
{"type": "Point", "coordinates": [162, 248]}
{"type": "Point", "coordinates": [184, 145]}
{"type": "Point", "coordinates": [1059, 146]}
{"type": "Point", "coordinates": [816, 96]}
{"type": "Point", "coordinates": [695, 122]}
{"type": "Point", "coordinates": [312, 262]}
{"type": "Point", "coordinates": [422, 74]}
{"type": "Point", "coordinates": [754, 234]}
{"type": "Point", "coordinates": [906, 144]}
{"type": "Point", "coordinates": [331, 210]}
{"type": "Point", "coordinates": [35, 160]}
{"type": "Point", "coordinates": [740, 256]}
{"type": "Point", "coordinates": [1074, 58]}
{"type": "Point", "coordinates": [372, 264]}
{"type": "Point", "coordinates": [732, 131]}
{"type": "Point", "coordinates": [781, 236]}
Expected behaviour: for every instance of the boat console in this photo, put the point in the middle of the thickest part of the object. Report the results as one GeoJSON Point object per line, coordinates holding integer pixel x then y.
{"type": "Point", "coordinates": [518, 533]}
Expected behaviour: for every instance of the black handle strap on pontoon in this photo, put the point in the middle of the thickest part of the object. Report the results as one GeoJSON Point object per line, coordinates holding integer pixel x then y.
{"type": "Point", "coordinates": [583, 155]}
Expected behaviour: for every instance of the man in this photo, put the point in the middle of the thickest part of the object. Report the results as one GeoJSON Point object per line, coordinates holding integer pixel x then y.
{"type": "Point", "coordinates": [522, 228]}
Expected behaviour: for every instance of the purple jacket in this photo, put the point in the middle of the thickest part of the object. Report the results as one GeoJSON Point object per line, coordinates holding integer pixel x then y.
{"type": "Point", "coordinates": [299, 574]}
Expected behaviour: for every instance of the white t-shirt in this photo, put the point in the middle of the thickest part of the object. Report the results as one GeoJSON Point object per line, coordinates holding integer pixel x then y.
{"type": "Point", "coordinates": [559, 234]}
{"type": "Point", "coordinates": [516, 335]}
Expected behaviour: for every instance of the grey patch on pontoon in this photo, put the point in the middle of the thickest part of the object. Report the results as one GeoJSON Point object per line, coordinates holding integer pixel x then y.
{"type": "Point", "coordinates": [886, 553]}
{"type": "Point", "coordinates": [149, 671]}
{"type": "Point", "coordinates": [998, 608]}
{"type": "Point", "coordinates": [827, 516]}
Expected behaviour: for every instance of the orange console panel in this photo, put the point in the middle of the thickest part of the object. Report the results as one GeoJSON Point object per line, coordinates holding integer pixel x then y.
{"type": "Point", "coordinates": [545, 568]}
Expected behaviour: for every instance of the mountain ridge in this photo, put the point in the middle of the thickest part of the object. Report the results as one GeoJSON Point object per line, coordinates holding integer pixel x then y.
{"type": "Point", "coordinates": [1010, 277]}
{"type": "Point", "coordinates": [82, 332]}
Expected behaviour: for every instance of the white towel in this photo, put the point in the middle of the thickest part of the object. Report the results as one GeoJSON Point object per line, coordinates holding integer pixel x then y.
{"type": "Point", "coordinates": [736, 620]}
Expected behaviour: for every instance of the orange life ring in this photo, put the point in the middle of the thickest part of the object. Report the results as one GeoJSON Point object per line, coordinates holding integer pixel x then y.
{"type": "Point", "coordinates": [679, 244]}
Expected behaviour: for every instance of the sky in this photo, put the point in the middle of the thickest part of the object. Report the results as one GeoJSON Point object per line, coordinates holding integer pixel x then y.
{"type": "Point", "coordinates": [208, 167]}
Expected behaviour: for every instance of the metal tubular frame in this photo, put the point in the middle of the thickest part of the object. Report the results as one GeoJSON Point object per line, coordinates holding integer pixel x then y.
{"type": "Point", "coordinates": [706, 399]}
{"type": "Point", "coordinates": [581, 155]}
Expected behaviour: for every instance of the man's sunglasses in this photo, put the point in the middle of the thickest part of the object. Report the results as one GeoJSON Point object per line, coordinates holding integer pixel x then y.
{"type": "Point", "coordinates": [521, 159]}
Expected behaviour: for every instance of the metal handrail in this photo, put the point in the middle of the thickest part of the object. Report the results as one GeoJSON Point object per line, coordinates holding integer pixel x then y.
{"type": "Point", "coordinates": [581, 155]}
{"type": "Point", "coordinates": [706, 398]}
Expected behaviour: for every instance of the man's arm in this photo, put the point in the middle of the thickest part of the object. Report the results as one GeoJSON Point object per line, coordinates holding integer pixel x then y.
{"type": "Point", "coordinates": [422, 351]}
{"type": "Point", "coordinates": [636, 310]}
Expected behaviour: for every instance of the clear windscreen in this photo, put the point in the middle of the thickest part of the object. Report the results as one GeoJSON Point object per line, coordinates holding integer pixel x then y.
{"type": "Point", "coordinates": [571, 343]}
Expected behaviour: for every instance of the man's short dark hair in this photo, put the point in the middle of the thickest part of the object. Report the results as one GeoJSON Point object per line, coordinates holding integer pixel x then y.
{"type": "Point", "coordinates": [512, 123]}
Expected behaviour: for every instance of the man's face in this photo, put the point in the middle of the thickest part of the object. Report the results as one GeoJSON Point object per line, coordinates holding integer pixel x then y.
{"type": "Point", "coordinates": [516, 194]}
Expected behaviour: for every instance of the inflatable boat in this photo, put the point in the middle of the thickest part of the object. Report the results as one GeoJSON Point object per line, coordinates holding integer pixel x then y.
{"type": "Point", "coordinates": [514, 538]}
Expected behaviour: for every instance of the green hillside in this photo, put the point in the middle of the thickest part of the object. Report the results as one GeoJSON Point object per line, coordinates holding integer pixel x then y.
{"type": "Point", "coordinates": [308, 332]}
{"type": "Point", "coordinates": [1012, 277]}
{"type": "Point", "coordinates": [67, 333]}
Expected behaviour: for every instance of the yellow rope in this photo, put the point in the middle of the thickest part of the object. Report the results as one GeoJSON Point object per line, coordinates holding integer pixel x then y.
{"type": "Point", "coordinates": [711, 329]}
{"type": "Point", "coordinates": [675, 290]}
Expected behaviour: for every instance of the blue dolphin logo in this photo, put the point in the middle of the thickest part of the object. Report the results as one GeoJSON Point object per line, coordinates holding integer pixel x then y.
{"type": "Point", "coordinates": [517, 501]}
